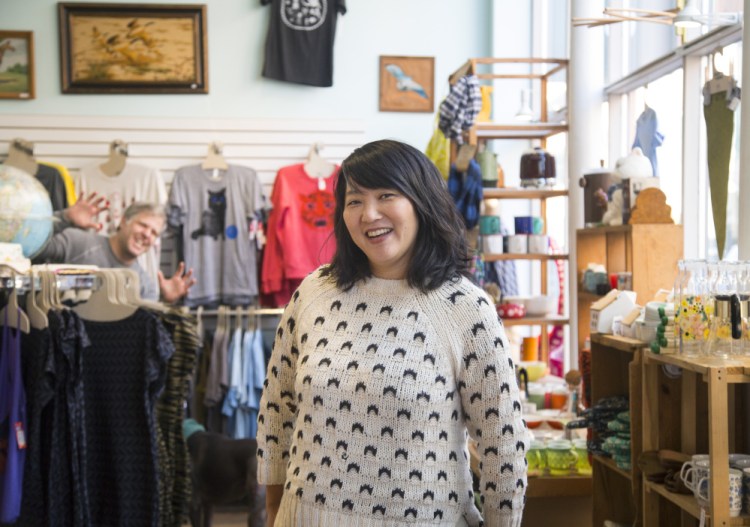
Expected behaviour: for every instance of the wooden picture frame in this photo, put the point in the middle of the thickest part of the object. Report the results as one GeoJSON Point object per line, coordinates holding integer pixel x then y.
{"type": "Point", "coordinates": [133, 48]}
{"type": "Point", "coordinates": [17, 65]}
{"type": "Point", "coordinates": [407, 84]}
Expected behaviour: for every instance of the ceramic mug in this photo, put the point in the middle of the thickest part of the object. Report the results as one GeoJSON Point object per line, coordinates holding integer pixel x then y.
{"type": "Point", "coordinates": [538, 243]}
{"type": "Point", "coordinates": [518, 243]}
{"type": "Point", "coordinates": [489, 225]}
{"type": "Point", "coordinates": [537, 225]}
{"type": "Point", "coordinates": [703, 492]}
{"type": "Point", "coordinates": [536, 458]}
{"type": "Point", "coordinates": [524, 224]}
{"type": "Point", "coordinates": [583, 465]}
{"type": "Point", "coordinates": [746, 489]}
{"type": "Point", "coordinates": [694, 470]}
{"type": "Point", "coordinates": [561, 458]}
{"type": "Point", "coordinates": [493, 243]}
{"type": "Point", "coordinates": [740, 461]}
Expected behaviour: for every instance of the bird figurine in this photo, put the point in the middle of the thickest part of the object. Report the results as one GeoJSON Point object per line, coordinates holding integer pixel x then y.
{"type": "Point", "coordinates": [404, 82]}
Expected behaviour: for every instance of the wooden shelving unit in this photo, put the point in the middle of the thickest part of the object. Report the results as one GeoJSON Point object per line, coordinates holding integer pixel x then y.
{"type": "Point", "coordinates": [551, 320]}
{"type": "Point", "coordinates": [548, 490]}
{"type": "Point", "coordinates": [611, 465]}
{"type": "Point", "coordinates": [491, 69]}
{"type": "Point", "coordinates": [700, 410]}
{"type": "Point", "coordinates": [490, 257]}
{"type": "Point", "coordinates": [649, 251]}
{"type": "Point", "coordinates": [616, 364]}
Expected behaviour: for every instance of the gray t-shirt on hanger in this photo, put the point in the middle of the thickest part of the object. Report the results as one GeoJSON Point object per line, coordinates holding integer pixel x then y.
{"type": "Point", "coordinates": [218, 214]}
{"type": "Point", "coordinates": [76, 246]}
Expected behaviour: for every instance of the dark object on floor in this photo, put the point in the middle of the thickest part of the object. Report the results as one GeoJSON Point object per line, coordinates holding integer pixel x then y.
{"type": "Point", "coordinates": [223, 473]}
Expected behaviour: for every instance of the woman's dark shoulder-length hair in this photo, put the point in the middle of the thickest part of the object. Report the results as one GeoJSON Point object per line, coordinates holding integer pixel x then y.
{"type": "Point", "coordinates": [440, 253]}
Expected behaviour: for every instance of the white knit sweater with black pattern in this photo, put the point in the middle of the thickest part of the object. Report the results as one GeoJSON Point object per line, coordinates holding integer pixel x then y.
{"type": "Point", "coordinates": [368, 399]}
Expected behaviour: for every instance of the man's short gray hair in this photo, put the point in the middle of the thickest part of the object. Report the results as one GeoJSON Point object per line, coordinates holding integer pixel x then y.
{"type": "Point", "coordinates": [140, 206]}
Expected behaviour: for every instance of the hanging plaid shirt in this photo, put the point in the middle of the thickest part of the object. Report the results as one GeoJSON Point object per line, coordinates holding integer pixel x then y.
{"type": "Point", "coordinates": [460, 107]}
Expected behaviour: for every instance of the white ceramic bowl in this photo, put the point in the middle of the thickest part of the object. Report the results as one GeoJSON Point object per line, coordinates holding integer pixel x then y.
{"type": "Point", "coordinates": [541, 305]}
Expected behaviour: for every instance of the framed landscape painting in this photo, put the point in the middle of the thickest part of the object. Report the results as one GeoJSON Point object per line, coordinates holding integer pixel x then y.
{"type": "Point", "coordinates": [407, 84]}
{"type": "Point", "coordinates": [133, 48]}
{"type": "Point", "coordinates": [16, 65]}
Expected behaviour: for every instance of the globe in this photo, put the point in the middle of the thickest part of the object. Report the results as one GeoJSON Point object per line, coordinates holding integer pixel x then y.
{"type": "Point", "coordinates": [25, 211]}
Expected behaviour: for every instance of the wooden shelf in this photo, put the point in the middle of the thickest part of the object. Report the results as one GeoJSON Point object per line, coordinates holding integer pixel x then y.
{"type": "Point", "coordinates": [543, 486]}
{"type": "Point", "coordinates": [593, 231]}
{"type": "Point", "coordinates": [563, 486]}
{"type": "Point", "coordinates": [516, 131]}
{"type": "Point", "coordinates": [687, 502]}
{"type": "Point", "coordinates": [552, 320]}
{"type": "Point", "coordinates": [611, 465]}
{"type": "Point", "coordinates": [538, 71]}
{"type": "Point", "coordinates": [492, 257]}
{"type": "Point", "coordinates": [522, 193]}
{"type": "Point", "coordinates": [737, 368]}
{"type": "Point", "coordinates": [621, 343]}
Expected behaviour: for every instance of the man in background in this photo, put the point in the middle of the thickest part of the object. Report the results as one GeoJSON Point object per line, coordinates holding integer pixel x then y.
{"type": "Point", "coordinates": [141, 226]}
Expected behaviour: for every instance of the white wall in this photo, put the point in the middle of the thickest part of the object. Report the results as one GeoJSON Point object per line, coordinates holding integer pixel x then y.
{"type": "Point", "coordinates": [449, 30]}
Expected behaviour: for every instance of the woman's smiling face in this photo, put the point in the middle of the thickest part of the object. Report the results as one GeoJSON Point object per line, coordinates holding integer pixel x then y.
{"type": "Point", "coordinates": [384, 225]}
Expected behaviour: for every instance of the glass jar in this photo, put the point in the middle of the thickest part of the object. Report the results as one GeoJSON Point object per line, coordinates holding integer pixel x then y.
{"type": "Point", "coordinates": [743, 289]}
{"type": "Point", "coordinates": [679, 284]}
{"type": "Point", "coordinates": [725, 327]}
{"type": "Point", "coordinates": [695, 309]}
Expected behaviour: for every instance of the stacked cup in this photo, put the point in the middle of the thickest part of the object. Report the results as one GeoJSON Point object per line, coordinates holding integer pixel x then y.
{"type": "Point", "coordinates": [561, 457]}
{"type": "Point", "coordinates": [696, 474]}
{"type": "Point", "coordinates": [536, 457]}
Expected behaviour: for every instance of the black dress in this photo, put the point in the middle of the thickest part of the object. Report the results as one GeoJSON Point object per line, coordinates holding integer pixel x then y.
{"type": "Point", "coordinates": [125, 370]}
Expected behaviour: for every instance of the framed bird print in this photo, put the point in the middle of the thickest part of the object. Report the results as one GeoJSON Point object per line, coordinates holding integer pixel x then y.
{"type": "Point", "coordinates": [16, 65]}
{"type": "Point", "coordinates": [133, 48]}
{"type": "Point", "coordinates": [407, 84]}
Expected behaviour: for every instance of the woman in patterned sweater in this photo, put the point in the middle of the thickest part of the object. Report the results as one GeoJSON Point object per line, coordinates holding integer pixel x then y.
{"type": "Point", "coordinates": [384, 361]}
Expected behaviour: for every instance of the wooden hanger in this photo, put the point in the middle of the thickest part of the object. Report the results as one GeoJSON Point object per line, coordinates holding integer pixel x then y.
{"type": "Point", "coordinates": [214, 159]}
{"type": "Point", "coordinates": [118, 158]}
{"type": "Point", "coordinates": [12, 313]}
{"type": "Point", "coordinates": [103, 305]}
{"type": "Point", "coordinates": [316, 166]}
{"type": "Point", "coordinates": [21, 156]}
{"type": "Point", "coordinates": [467, 68]}
{"type": "Point", "coordinates": [37, 317]}
{"type": "Point", "coordinates": [238, 313]}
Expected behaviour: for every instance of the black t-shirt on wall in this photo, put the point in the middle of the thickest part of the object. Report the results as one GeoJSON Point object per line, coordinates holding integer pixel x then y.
{"type": "Point", "coordinates": [299, 44]}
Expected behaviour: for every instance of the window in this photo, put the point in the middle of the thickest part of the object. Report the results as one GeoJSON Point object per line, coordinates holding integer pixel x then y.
{"type": "Point", "coordinates": [671, 85]}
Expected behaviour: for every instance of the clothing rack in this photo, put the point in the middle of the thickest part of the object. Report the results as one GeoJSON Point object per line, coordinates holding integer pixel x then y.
{"type": "Point", "coordinates": [66, 278]}
{"type": "Point", "coordinates": [250, 312]}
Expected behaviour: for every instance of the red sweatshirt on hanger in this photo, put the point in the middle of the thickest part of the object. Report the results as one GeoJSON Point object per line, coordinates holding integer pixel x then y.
{"type": "Point", "coordinates": [300, 230]}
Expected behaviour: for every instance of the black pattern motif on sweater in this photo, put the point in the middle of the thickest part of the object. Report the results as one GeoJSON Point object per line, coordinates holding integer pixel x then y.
{"type": "Point", "coordinates": [403, 367]}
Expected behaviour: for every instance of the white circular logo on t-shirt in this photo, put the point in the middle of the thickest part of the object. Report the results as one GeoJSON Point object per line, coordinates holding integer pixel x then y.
{"type": "Point", "coordinates": [304, 15]}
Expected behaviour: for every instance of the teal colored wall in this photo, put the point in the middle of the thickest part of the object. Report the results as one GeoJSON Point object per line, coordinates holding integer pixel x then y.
{"type": "Point", "coordinates": [449, 30]}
